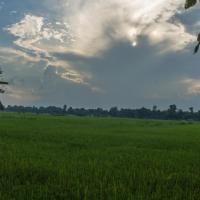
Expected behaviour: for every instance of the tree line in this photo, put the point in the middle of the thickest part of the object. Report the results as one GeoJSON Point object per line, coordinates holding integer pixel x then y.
{"type": "Point", "coordinates": [172, 113]}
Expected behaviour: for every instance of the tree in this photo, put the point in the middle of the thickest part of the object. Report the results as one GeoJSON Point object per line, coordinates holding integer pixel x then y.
{"type": "Point", "coordinates": [190, 3]}
{"type": "Point", "coordinates": [113, 111]}
{"type": "Point", "coordinates": [2, 90]}
{"type": "Point", "coordinates": [154, 108]}
{"type": "Point", "coordinates": [172, 108]}
{"type": "Point", "coordinates": [172, 112]}
{"type": "Point", "coordinates": [191, 109]}
{"type": "Point", "coordinates": [64, 109]}
{"type": "Point", "coordinates": [1, 106]}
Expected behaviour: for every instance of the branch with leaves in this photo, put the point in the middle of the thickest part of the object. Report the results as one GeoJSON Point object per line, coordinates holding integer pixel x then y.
{"type": "Point", "coordinates": [189, 4]}
{"type": "Point", "coordinates": [2, 83]}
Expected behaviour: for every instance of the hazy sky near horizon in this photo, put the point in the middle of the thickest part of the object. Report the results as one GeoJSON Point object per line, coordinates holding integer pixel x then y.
{"type": "Point", "coordinates": [97, 53]}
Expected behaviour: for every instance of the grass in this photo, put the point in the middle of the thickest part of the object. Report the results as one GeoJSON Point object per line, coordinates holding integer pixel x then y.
{"type": "Point", "coordinates": [46, 157]}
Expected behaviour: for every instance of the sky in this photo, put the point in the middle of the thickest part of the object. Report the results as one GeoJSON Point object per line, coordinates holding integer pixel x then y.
{"type": "Point", "coordinates": [97, 53]}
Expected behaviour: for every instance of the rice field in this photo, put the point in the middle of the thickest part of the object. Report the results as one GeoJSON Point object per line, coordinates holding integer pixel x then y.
{"type": "Point", "coordinates": [45, 157]}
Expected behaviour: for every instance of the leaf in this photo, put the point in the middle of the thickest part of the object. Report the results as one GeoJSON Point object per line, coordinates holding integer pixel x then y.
{"type": "Point", "coordinates": [190, 3]}
{"type": "Point", "coordinates": [196, 48]}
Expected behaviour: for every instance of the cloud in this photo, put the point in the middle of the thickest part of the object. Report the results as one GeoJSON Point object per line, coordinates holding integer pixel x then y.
{"type": "Point", "coordinates": [96, 25]}
{"type": "Point", "coordinates": [76, 37]}
{"type": "Point", "coordinates": [34, 34]}
{"type": "Point", "coordinates": [170, 36]}
{"type": "Point", "coordinates": [90, 27]}
{"type": "Point", "coordinates": [21, 94]}
{"type": "Point", "coordinates": [38, 39]}
{"type": "Point", "coordinates": [9, 55]}
{"type": "Point", "coordinates": [1, 5]}
{"type": "Point", "coordinates": [192, 86]}
{"type": "Point", "coordinates": [27, 28]}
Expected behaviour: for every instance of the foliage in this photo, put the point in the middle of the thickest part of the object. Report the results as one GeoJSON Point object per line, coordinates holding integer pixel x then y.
{"type": "Point", "coordinates": [144, 113]}
{"type": "Point", "coordinates": [1, 106]}
{"type": "Point", "coordinates": [2, 83]}
{"type": "Point", "coordinates": [2, 90]}
{"type": "Point", "coordinates": [190, 3]}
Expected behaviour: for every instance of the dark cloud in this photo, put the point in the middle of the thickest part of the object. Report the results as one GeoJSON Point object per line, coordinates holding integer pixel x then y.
{"type": "Point", "coordinates": [139, 76]}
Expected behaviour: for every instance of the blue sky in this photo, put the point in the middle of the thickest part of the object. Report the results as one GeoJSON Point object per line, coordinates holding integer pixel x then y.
{"type": "Point", "coordinates": [95, 53]}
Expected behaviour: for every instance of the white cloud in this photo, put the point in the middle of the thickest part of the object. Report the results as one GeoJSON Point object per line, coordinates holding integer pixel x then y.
{"type": "Point", "coordinates": [35, 34]}
{"type": "Point", "coordinates": [95, 24]}
{"type": "Point", "coordinates": [90, 27]}
{"type": "Point", "coordinates": [172, 36]}
{"type": "Point", "coordinates": [29, 27]}
{"type": "Point", "coordinates": [192, 86]}
{"type": "Point", "coordinates": [41, 38]}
